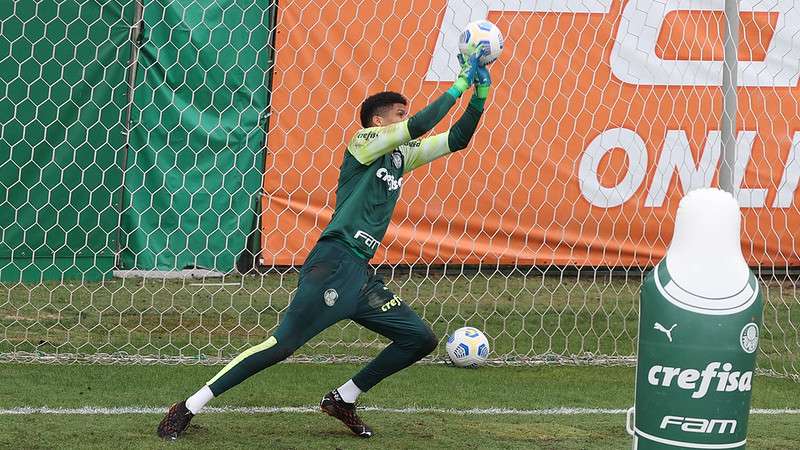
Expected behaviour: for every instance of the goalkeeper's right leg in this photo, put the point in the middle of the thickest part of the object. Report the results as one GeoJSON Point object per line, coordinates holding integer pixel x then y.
{"type": "Point", "coordinates": [248, 363]}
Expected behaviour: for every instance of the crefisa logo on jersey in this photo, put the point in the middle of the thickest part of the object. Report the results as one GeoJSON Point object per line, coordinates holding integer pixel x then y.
{"type": "Point", "coordinates": [392, 183]}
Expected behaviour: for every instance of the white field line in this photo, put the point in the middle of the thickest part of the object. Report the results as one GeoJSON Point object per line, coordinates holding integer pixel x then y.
{"type": "Point", "coordinates": [89, 410]}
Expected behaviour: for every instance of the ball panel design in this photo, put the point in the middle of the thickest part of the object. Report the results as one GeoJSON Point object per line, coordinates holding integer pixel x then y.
{"type": "Point", "coordinates": [467, 347]}
{"type": "Point", "coordinates": [486, 33]}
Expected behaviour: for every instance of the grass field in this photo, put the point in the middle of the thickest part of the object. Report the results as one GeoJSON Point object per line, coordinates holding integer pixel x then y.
{"type": "Point", "coordinates": [524, 316]}
{"type": "Point", "coordinates": [446, 389]}
{"type": "Point", "coordinates": [529, 316]}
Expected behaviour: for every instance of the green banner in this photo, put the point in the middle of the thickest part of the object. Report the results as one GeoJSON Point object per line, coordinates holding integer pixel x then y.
{"type": "Point", "coordinates": [62, 98]}
{"type": "Point", "coordinates": [195, 164]}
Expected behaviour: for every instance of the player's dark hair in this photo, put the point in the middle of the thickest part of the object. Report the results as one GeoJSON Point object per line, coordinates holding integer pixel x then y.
{"type": "Point", "coordinates": [376, 104]}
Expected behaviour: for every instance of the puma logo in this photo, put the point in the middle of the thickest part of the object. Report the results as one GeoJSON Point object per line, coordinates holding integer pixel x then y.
{"type": "Point", "coordinates": [661, 328]}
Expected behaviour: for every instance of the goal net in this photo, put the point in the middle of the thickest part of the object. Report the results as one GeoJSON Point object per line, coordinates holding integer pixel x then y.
{"type": "Point", "coordinates": [209, 130]}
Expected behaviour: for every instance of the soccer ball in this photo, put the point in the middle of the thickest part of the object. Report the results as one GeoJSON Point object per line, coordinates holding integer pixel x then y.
{"type": "Point", "coordinates": [482, 32]}
{"type": "Point", "coordinates": [467, 347]}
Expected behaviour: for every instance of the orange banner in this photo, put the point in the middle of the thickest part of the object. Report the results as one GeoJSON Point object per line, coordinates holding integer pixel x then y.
{"type": "Point", "coordinates": [602, 114]}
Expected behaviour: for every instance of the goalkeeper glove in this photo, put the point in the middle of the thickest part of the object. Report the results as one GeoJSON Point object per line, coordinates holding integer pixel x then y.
{"type": "Point", "coordinates": [469, 66]}
{"type": "Point", "coordinates": [482, 82]}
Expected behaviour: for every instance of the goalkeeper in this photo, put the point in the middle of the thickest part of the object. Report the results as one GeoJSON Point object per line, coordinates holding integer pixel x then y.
{"type": "Point", "coordinates": [335, 281]}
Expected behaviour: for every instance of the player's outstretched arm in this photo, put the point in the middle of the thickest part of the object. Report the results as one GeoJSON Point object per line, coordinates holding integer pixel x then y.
{"type": "Point", "coordinates": [461, 133]}
{"type": "Point", "coordinates": [424, 121]}
{"type": "Point", "coordinates": [370, 144]}
{"type": "Point", "coordinates": [419, 153]}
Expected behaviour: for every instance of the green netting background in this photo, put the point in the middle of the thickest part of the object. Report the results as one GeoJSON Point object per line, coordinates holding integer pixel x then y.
{"type": "Point", "coordinates": [62, 78]}
{"type": "Point", "coordinates": [195, 163]}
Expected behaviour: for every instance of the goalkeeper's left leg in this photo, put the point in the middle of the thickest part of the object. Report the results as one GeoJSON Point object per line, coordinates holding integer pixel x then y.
{"type": "Point", "coordinates": [412, 339]}
{"type": "Point", "coordinates": [385, 313]}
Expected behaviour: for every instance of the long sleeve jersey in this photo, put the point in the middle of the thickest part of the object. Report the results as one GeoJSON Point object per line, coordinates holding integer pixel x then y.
{"type": "Point", "coordinates": [371, 174]}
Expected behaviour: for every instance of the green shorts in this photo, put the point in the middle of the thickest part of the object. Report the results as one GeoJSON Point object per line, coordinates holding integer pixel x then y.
{"type": "Point", "coordinates": [334, 285]}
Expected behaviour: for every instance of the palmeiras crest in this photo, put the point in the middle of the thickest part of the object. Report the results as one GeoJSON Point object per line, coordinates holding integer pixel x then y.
{"type": "Point", "coordinates": [397, 159]}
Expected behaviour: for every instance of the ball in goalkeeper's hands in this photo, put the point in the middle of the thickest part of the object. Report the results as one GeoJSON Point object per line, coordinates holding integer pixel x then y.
{"type": "Point", "coordinates": [486, 34]}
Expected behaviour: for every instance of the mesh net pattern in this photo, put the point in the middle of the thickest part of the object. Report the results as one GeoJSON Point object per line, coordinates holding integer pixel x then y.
{"type": "Point", "coordinates": [135, 138]}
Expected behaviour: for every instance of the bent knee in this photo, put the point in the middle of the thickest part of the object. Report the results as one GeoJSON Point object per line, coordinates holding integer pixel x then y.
{"type": "Point", "coordinates": [427, 342]}
{"type": "Point", "coordinates": [287, 345]}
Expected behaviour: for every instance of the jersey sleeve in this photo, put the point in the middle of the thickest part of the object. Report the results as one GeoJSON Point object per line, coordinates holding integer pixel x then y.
{"type": "Point", "coordinates": [419, 152]}
{"type": "Point", "coordinates": [370, 144]}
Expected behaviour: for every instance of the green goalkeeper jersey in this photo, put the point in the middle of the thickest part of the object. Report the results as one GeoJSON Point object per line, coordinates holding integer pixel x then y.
{"type": "Point", "coordinates": [371, 175]}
